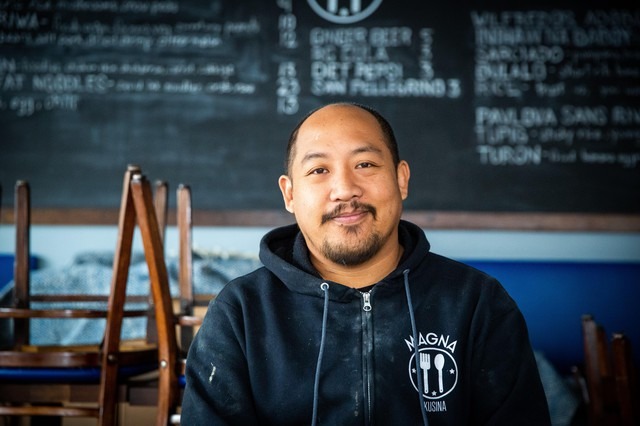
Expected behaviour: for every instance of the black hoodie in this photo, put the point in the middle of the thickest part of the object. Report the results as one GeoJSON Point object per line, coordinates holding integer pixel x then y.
{"type": "Point", "coordinates": [255, 357]}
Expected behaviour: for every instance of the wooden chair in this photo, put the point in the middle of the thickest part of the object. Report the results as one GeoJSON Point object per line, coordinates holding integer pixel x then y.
{"type": "Point", "coordinates": [610, 376]}
{"type": "Point", "coordinates": [84, 381]}
{"type": "Point", "coordinates": [189, 308]}
{"type": "Point", "coordinates": [186, 315]}
{"type": "Point", "coordinates": [188, 318]}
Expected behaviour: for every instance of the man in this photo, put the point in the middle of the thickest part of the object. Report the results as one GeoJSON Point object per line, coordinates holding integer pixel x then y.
{"type": "Point", "coordinates": [353, 320]}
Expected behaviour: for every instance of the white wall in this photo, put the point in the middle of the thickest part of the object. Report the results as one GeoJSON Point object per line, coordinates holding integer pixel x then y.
{"type": "Point", "coordinates": [56, 246]}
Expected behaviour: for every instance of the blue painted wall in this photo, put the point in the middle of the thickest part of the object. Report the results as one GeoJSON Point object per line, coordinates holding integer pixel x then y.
{"type": "Point", "coordinates": [553, 296]}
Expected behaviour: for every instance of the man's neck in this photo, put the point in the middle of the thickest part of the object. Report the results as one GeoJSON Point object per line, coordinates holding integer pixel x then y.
{"type": "Point", "coordinates": [363, 275]}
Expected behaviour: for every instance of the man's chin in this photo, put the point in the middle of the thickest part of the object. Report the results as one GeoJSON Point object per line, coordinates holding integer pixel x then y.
{"type": "Point", "coordinates": [354, 249]}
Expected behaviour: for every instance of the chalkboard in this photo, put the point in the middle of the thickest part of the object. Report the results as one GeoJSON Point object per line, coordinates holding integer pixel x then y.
{"type": "Point", "coordinates": [497, 107]}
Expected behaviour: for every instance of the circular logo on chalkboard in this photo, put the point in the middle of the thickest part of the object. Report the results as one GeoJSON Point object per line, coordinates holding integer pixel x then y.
{"type": "Point", "coordinates": [344, 11]}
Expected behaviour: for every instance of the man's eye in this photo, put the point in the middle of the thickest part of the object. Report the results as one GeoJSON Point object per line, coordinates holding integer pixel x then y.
{"type": "Point", "coordinates": [364, 165]}
{"type": "Point", "coordinates": [318, 171]}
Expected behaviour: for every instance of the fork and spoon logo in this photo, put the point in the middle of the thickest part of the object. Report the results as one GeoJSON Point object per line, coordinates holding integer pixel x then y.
{"type": "Point", "coordinates": [439, 372]}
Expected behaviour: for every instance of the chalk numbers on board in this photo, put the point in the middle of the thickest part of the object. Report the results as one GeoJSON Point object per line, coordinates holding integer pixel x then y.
{"type": "Point", "coordinates": [288, 88]}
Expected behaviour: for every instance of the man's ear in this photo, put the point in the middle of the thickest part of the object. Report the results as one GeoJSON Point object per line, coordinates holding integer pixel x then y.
{"type": "Point", "coordinates": [286, 187]}
{"type": "Point", "coordinates": [403, 178]}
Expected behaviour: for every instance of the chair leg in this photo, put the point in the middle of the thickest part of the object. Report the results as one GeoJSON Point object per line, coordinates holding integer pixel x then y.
{"type": "Point", "coordinates": [624, 379]}
{"type": "Point", "coordinates": [611, 377]}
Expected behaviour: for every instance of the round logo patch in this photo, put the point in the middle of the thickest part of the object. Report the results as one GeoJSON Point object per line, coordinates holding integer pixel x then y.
{"type": "Point", "coordinates": [438, 370]}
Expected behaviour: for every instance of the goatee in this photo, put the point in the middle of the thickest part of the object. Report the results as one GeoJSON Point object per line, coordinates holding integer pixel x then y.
{"type": "Point", "coordinates": [347, 253]}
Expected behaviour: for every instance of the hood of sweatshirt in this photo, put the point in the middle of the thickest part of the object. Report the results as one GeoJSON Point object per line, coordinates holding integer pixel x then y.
{"type": "Point", "coordinates": [284, 252]}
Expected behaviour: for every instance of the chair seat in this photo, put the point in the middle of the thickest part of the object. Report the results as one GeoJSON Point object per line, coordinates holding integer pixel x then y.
{"type": "Point", "coordinates": [63, 313]}
{"type": "Point", "coordinates": [82, 356]}
{"type": "Point", "coordinates": [76, 364]}
{"type": "Point", "coordinates": [68, 375]}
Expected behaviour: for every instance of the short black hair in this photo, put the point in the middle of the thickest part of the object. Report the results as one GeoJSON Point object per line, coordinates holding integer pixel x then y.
{"type": "Point", "coordinates": [387, 132]}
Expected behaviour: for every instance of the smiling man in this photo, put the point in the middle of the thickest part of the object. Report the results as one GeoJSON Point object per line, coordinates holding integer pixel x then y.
{"type": "Point", "coordinates": [345, 185]}
{"type": "Point", "coordinates": [352, 320]}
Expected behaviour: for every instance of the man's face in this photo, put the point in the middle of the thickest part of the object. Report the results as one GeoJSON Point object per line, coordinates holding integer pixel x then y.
{"type": "Point", "coordinates": [343, 187]}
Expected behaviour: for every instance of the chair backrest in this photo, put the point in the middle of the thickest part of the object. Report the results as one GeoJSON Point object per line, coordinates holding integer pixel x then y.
{"type": "Point", "coordinates": [185, 268]}
{"type": "Point", "coordinates": [192, 304]}
{"type": "Point", "coordinates": [161, 205]}
{"type": "Point", "coordinates": [611, 377]}
{"type": "Point", "coordinates": [188, 319]}
{"type": "Point", "coordinates": [21, 276]}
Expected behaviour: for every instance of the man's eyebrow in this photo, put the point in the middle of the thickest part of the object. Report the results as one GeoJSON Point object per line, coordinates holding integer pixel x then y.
{"type": "Point", "coordinates": [367, 148]}
{"type": "Point", "coordinates": [312, 155]}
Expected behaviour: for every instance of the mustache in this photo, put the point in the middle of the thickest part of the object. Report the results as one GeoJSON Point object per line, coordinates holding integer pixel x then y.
{"type": "Point", "coordinates": [353, 205]}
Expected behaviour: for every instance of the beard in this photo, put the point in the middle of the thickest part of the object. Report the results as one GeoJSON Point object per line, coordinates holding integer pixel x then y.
{"type": "Point", "coordinates": [352, 255]}
{"type": "Point", "coordinates": [356, 248]}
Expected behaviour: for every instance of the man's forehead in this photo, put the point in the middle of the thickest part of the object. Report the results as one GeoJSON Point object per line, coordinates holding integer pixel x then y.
{"type": "Point", "coordinates": [339, 111]}
{"type": "Point", "coordinates": [339, 120]}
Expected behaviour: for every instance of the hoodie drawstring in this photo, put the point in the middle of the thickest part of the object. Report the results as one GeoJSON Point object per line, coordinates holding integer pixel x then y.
{"type": "Point", "coordinates": [414, 331]}
{"type": "Point", "coordinates": [316, 383]}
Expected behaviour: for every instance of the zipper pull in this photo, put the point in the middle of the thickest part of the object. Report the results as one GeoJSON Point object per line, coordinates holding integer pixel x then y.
{"type": "Point", "coordinates": [367, 301]}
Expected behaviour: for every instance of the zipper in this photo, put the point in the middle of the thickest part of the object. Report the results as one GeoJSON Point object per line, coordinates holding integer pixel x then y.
{"type": "Point", "coordinates": [366, 301]}
{"type": "Point", "coordinates": [367, 354]}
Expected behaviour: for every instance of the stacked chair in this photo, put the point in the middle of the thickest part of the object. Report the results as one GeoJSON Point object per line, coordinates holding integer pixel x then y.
{"type": "Point", "coordinates": [610, 377]}
{"type": "Point", "coordinates": [188, 310]}
{"type": "Point", "coordinates": [90, 380]}
{"type": "Point", "coordinates": [192, 304]}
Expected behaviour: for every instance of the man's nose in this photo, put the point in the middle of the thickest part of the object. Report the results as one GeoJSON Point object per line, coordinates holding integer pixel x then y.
{"type": "Point", "coordinates": [345, 186]}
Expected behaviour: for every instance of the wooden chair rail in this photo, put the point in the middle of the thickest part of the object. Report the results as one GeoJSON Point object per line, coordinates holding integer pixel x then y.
{"type": "Point", "coordinates": [49, 360]}
{"type": "Point", "coordinates": [202, 299]}
{"type": "Point", "coordinates": [54, 392]}
{"type": "Point", "coordinates": [60, 298]}
{"type": "Point", "coordinates": [49, 411]}
{"type": "Point", "coordinates": [64, 313]}
{"type": "Point", "coordinates": [81, 356]}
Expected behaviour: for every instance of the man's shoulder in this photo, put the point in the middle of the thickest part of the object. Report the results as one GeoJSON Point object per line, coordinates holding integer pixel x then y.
{"type": "Point", "coordinates": [457, 276]}
{"type": "Point", "coordinates": [453, 266]}
{"type": "Point", "coordinates": [249, 284]}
